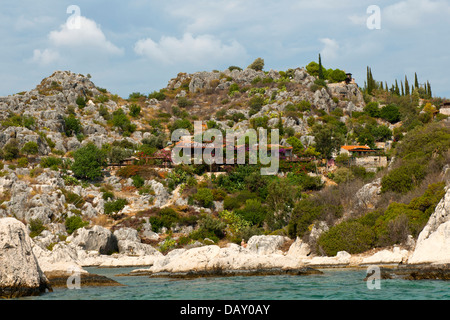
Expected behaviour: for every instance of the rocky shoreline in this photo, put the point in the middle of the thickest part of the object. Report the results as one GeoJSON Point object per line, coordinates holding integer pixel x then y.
{"type": "Point", "coordinates": [28, 268]}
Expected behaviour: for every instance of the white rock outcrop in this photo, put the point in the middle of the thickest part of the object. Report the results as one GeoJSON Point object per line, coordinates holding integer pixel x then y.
{"type": "Point", "coordinates": [20, 274]}
{"type": "Point", "coordinates": [433, 244]}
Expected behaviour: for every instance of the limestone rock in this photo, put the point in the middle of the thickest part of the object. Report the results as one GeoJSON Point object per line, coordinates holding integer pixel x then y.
{"type": "Point", "coordinates": [433, 244]}
{"type": "Point", "coordinates": [265, 244]}
{"type": "Point", "coordinates": [97, 239]}
{"type": "Point", "coordinates": [20, 274]}
{"type": "Point", "coordinates": [386, 257]}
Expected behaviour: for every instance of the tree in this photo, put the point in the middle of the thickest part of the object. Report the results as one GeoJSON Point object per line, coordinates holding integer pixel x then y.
{"type": "Point", "coordinates": [407, 92]}
{"type": "Point", "coordinates": [72, 126]}
{"type": "Point", "coordinates": [257, 65]}
{"type": "Point", "coordinates": [11, 150]}
{"type": "Point", "coordinates": [416, 81]}
{"type": "Point", "coordinates": [321, 75]}
{"type": "Point", "coordinates": [327, 140]}
{"type": "Point", "coordinates": [88, 162]}
{"type": "Point", "coordinates": [390, 113]}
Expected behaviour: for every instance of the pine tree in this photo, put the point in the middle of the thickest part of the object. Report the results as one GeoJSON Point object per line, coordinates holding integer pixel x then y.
{"type": "Point", "coordinates": [321, 76]}
{"type": "Point", "coordinates": [407, 92]}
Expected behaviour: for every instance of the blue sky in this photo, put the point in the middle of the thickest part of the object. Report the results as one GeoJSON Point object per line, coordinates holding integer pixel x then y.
{"type": "Point", "coordinates": [137, 45]}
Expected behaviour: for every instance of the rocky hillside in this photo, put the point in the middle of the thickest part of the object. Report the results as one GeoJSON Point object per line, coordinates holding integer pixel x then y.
{"type": "Point", "coordinates": [48, 132]}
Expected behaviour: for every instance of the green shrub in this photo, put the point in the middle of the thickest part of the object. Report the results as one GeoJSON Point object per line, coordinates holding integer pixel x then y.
{"type": "Point", "coordinates": [108, 195]}
{"type": "Point", "coordinates": [135, 110]}
{"type": "Point", "coordinates": [205, 197]}
{"type": "Point", "coordinates": [253, 212]}
{"type": "Point", "coordinates": [209, 227]}
{"type": "Point", "coordinates": [36, 226]}
{"type": "Point", "coordinates": [48, 162]}
{"type": "Point", "coordinates": [75, 222]}
{"type": "Point", "coordinates": [115, 206]}
{"type": "Point", "coordinates": [22, 162]}
{"type": "Point", "coordinates": [81, 102]}
{"type": "Point", "coordinates": [390, 113]}
{"type": "Point", "coordinates": [304, 214]}
{"type": "Point", "coordinates": [72, 126]}
{"type": "Point", "coordinates": [158, 95]}
{"type": "Point", "coordinates": [403, 178]}
{"type": "Point", "coordinates": [138, 181]}
{"type": "Point", "coordinates": [11, 150]}
{"type": "Point", "coordinates": [350, 236]}
{"type": "Point", "coordinates": [236, 223]}
{"type": "Point", "coordinates": [183, 102]}
{"type": "Point", "coordinates": [30, 147]}
{"type": "Point", "coordinates": [166, 218]}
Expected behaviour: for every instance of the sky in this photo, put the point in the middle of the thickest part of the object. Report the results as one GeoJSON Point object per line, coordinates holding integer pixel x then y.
{"type": "Point", "coordinates": [138, 45]}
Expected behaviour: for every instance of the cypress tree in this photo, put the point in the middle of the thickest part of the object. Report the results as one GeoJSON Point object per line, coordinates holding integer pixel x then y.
{"type": "Point", "coordinates": [407, 92]}
{"type": "Point", "coordinates": [416, 81]}
{"type": "Point", "coordinates": [386, 86]}
{"type": "Point", "coordinates": [321, 76]}
{"type": "Point", "coordinates": [397, 90]}
{"type": "Point", "coordinates": [401, 87]}
{"type": "Point", "coordinates": [429, 93]}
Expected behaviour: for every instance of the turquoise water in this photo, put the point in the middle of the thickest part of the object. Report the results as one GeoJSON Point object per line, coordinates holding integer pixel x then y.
{"type": "Point", "coordinates": [332, 285]}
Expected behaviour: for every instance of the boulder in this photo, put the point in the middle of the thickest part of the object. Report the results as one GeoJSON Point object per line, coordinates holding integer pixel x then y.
{"type": "Point", "coordinates": [20, 274]}
{"type": "Point", "coordinates": [433, 244]}
{"type": "Point", "coordinates": [264, 245]}
{"type": "Point", "coordinates": [387, 257]}
{"type": "Point", "coordinates": [95, 239]}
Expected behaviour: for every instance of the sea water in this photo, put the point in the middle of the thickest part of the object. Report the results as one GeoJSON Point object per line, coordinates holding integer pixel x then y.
{"type": "Point", "coordinates": [333, 284]}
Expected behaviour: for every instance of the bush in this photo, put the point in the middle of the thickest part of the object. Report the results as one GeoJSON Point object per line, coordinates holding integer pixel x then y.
{"type": "Point", "coordinates": [30, 147]}
{"type": "Point", "coordinates": [304, 214]}
{"type": "Point", "coordinates": [253, 212]}
{"type": "Point", "coordinates": [115, 206]}
{"type": "Point", "coordinates": [135, 110]}
{"type": "Point", "coordinates": [73, 223]}
{"type": "Point", "coordinates": [205, 197]}
{"type": "Point", "coordinates": [166, 218]}
{"type": "Point", "coordinates": [390, 113]}
{"type": "Point", "coordinates": [22, 162]}
{"type": "Point", "coordinates": [209, 227]}
{"type": "Point", "coordinates": [11, 150]}
{"type": "Point", "coordinates": [138, 181]}
{"type": "Point", "coordinates": [81, 102]}
{"type": "Point", "coordinates": [160, 96]}
{"type": "Point", "coordinates": [49, 162]}
{"type": "Point", "coordinates": [72, 126]}
{"type": "Point", "coordinates": [183, 102]}
{"type": "Point", "coordinates": [403, 178]}
{"type": "Point", "coordinates": [350, 236]}
{"type": "Point", "coordinates": [36, 226]}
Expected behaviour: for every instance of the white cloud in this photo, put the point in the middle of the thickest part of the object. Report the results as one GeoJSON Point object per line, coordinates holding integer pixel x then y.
{"type": "Point", "coordinates": [196, 50]}
{"type": "Point", "coordinates": [412, 13]}
{"type": "Point", "coordinates": [87, 35]}
{"type": "Point", "coordinates": [45, 57]}
{"type": "Point", "coordinates": [330, 50]}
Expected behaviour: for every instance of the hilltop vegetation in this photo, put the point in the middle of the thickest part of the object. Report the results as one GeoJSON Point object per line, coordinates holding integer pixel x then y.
{"type": "Point", "coordinates": [63, 136]}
